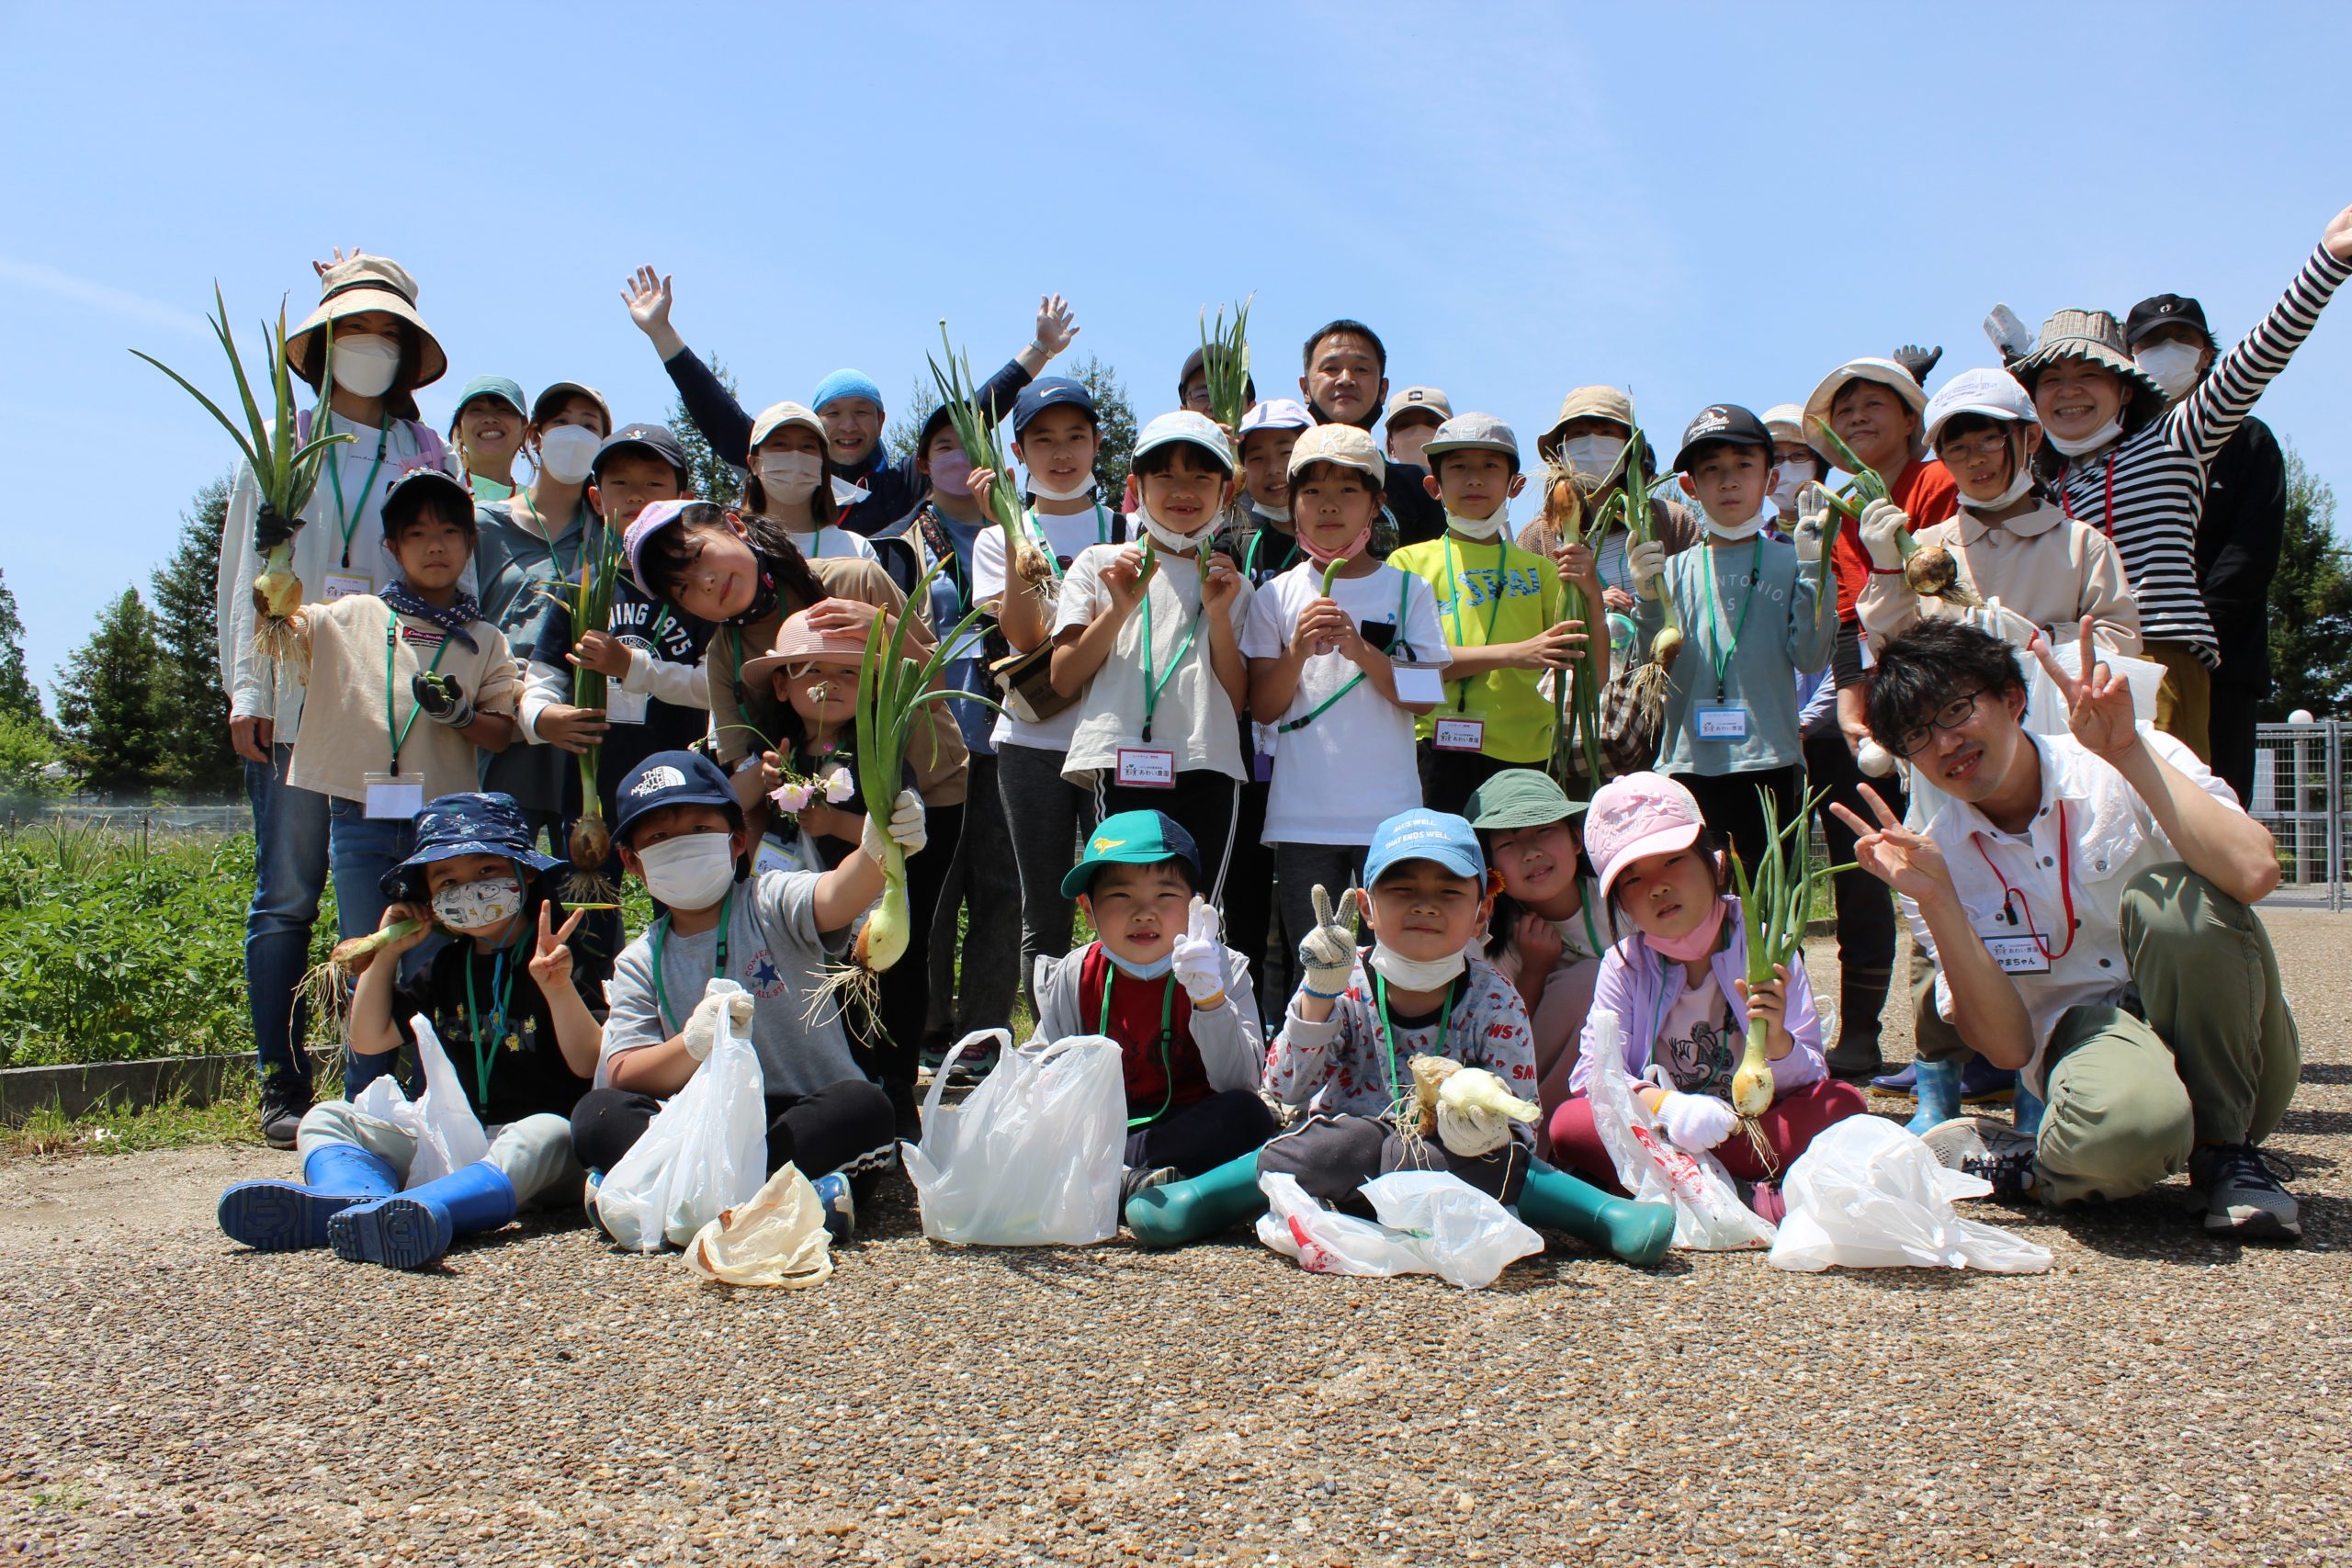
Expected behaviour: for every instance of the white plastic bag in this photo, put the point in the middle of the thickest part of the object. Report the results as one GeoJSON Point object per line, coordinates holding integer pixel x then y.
{"type": "Point", "coordinates": [705, 1152]}
{"type": "Point", "coordinates": [1868, 1195]}
{"type": "Point", "coordinates": [1033, 1156]}
{"type": "Point", "coordinates": [1708, 1215]}
{"type": "Point", "coordinates": [1430, 1222]}
{"type": "Point", "coordinates": [448, 1135]}
{"type": "Point", "coordinates": [778, 1239]}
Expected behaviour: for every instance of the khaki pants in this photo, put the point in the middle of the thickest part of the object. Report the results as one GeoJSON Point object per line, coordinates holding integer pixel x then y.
{"type": "Point", "coordinates": [535, 1153]}
{"type": "Point", "coordinates": [2211, 1058]}
{"type": "Point", "coordinates": [2184, 701]}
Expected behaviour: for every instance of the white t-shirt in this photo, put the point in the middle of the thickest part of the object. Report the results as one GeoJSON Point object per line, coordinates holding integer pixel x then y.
{"type": "Point", "coordinates": [831, 543]}
{"type": "Point", "coordinates": [1194, 718]}
{"type": "Point", "coordinates": [1065, 537]}
{"type": "Point", "coordinates": [1351, 767]}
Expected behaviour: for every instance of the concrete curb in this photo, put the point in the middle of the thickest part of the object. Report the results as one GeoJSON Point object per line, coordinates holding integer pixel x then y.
{"type": "Point", "coordinates": [76, 1090]}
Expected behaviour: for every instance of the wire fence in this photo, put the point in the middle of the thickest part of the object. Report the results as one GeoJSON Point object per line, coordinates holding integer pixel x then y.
{"type": "Point", "coordinates": [2299, 794]}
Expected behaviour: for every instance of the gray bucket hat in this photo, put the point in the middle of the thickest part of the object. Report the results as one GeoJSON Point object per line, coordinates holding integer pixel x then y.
{"type": "Point", "coordinates": [2094, 335]}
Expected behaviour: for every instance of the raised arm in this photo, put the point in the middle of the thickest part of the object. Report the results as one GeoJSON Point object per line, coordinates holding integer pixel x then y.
{"type": "Point", "coordinates": [709, 404]}
{"type": "Point", "coordinates": [2212, 413]}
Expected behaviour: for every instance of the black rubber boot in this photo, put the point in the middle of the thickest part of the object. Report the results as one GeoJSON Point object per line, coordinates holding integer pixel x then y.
{"type": "Point", "coordinates": [1861, 997]}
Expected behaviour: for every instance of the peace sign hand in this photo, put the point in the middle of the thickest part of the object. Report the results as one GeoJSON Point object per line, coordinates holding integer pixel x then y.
{"type": "Point", "coordinates": [551, 966]}
{"type": "Point", "coordinates": [1327, 953]}
{"type": "Point", "coordinates": [2099, 701]}
{"type": "Point", "coordinates": [1909, 863]}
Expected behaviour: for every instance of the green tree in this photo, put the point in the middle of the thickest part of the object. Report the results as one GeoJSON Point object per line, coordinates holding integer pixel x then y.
{"type": "Point", "coordinates": [2310, 605]}
{"type": "Point", "coordinates": [27, 749]}
{"type": "Point", "coordinates": [111, 703]}
{"type": "Point", "coordinates": [18, 695]}
{"type": "Point", "coordinates": [707, 474]}
{"type": "Point", "coordinates": [198, 759]}
{"type": "Point", "coordinates": [903, 430]}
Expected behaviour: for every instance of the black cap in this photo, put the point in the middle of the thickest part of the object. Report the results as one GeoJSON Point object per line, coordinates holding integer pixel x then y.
{"type": "Point", "coordinates": [416, 487]}
{"type": "Point", "coordinates": [658, 439]}
{"type": "Point", "coordinates": [1193, 363]}
{"type": "Point", "coordinates": [2165, 310]}
{"type": "Point", "coordinates": [1722, 422]}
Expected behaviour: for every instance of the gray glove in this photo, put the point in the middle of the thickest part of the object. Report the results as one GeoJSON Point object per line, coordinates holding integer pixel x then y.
{"type": "Point", "coordinates": [1328, 954]}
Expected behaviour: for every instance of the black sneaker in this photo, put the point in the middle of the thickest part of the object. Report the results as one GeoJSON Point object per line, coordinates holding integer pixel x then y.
{"type": "Point", "coordinates": [1143, 1179]}
{"type": "Point", "coordinates": [2242, 1194]}
{"type": "Point", "coordinates": [1979, 1146]}
{"type": "Point", "coordinates": [970, 1069]}
{"type": "Point", "coordinates": [284, 1102]}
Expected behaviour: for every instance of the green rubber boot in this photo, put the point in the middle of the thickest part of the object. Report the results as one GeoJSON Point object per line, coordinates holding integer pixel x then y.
{"type": "Point", "coordinates": [1638, 1232]}
{"type": "Point", "coordinates": [1178, 1212]}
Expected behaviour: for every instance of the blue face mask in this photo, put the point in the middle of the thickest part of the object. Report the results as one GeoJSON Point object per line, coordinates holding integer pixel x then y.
{"type": "Point", "coordinates": [1133, 971]}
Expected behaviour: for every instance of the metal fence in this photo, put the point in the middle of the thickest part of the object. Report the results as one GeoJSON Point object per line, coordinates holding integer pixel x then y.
{"type": "Point", "coordinates": [140, 822]}
{"type": "Point", "coordinates": [2299, 794]}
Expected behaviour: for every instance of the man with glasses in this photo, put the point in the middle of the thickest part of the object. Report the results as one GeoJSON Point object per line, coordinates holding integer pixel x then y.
{"type": "Point", "coordinates": [2087, 899]}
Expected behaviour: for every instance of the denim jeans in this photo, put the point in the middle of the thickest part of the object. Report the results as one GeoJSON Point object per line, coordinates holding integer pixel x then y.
{"type": "Point", "coordinates": [361, 849]}
{"type": "Point", "coordinates": [290, 875]}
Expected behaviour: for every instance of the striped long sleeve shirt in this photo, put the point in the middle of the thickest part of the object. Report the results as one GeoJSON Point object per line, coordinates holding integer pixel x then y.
{"type": "Point", "coordinates": [2146, 492]}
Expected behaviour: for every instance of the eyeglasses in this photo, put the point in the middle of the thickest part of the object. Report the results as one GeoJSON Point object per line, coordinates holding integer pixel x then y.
{"type": "Point", "coordinates": [1986, 447]}
{"type": "Point", "coordinates": [1951, 716]}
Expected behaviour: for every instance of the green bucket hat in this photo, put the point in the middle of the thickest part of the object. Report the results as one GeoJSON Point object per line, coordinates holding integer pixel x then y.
{"type": "Point", "coordinates": [1131, 838]}
{"type": "Point", "coordinates": [1519, 797]}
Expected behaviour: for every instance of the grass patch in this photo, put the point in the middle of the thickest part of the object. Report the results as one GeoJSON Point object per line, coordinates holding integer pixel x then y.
{"type": "Point", "coordinates": [174, 1124]}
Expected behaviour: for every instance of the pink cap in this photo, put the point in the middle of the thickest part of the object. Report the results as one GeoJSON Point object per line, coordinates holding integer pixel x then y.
{"type": "Point", "coordinates": [656, 517]}
{"type": "Point", "coordinates": [1637, 815]}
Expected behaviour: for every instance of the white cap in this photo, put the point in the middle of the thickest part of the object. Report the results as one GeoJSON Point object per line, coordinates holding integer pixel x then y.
{"type": "Point", "coordinates": [1996, 394]}
{"type": "Point", "coordinates": [1186, 426]}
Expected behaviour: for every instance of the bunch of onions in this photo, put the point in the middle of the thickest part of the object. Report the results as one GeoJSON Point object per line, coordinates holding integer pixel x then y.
{"type": "Point", "coordinates": [1773, 908]}
{"type": "Point", "coordinates": [1225, 364]}
{"type": "Point", "coordinates": [1930, 570]}
{"type": "Point", "coordinates": [976, 432]}
{"type": "Point", "coordinates": [1576, 699]}
{"type": "Point", "coordinates": [591, 606]}
{"type": "Point", "coordinates": [285, 467]}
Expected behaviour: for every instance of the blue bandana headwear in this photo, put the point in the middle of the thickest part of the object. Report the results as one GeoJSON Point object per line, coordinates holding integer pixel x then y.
{"type": "Point", "coordinates": [845, 384]}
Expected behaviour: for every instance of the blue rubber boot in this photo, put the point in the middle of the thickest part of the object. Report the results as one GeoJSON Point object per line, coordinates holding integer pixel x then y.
{"type": "Point", "coordinates": [285, 1216]}
{"type": "Point", "coordinates": [2027, 1108]}
{"type": "Point", "coordinates": [1938, 1091]}
{"type": "Point", "coordinates": [1177, 1211]}
{"type": "Point", "coordinates": [412, 1229]}
{"type": "Point", "coordinates": [1638, 1232]}
{"type": "Point", "coordinates": [1904, 1081]}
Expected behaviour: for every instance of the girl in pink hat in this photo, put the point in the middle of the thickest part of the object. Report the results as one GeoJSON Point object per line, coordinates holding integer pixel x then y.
{"type": "Point", "coordinates": [1677, 988]}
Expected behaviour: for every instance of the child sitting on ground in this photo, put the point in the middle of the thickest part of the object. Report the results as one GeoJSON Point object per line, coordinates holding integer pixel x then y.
{"type": "Point", "coordinates": [1178, 1001]}
{"type": "Point", "coordinates": [680, 829]}
{"type": "Point", "coordinates": [1346, 1048]}
{"type": "Point", "coordinates": [506, 1008]}
{"type": "Point", "coordinates": [1677, 987]}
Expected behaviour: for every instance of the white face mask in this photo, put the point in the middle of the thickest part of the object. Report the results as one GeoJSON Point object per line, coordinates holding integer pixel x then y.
{"type": "Point", "coordinates": [1273, 514]}
{"type": "Point", "coordinates": [2021, 481]}
{"type": "Point", "coordinates": [1043, 492]}
{"type": "Point", "coordinates": [1733, 531]}
{"type": "Point", "coordinates": [478, 906]}
{"type": "Point", "coordinates": [690, 872]}
{"type": "Point", "coordinates": [1169, 539]}
{"type": "Point", "coordinates": [567, 452]}
{"type": "Point", "coordinates": [1592, 456]}
{"type": "Point", "coordinates": [1415, 973]}
{"type": "Point", "coordinates": [1480, 528]}
{"type": "Point", "coordinates": [2091, 443]}
{"type": "Point", "coordinates": [364, 365]}
{"type": "Point", "coordinates": [2173, 365]}
{"type": "Point", "coordinates": [789, 478]}
{"type": "Point", "coordinates": [1792, 478]}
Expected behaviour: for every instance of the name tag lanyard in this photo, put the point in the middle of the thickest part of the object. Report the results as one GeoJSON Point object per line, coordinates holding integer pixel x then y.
{"type": "Point", "coordinates": [661, 940]}
{"type": "Point", "coordinates": [1045, 546]}
{"type": "Point", "coordinates": [2065, 890]}
{"type": "Point", "coordinates": [1291, 726]}
{"type": "Point", "coordinates": [1152, 689]}
{"type": "Point", "coordinates": [1720, 653]}
{"type": "Point", "coordinates": [397, 733]}
{"type": "Point", "coordinates": [1455, 991]}
{"type": "Point", "coordinates": [347, 517]}
{"type": "Point", "coordinates": [1454, 608]}
{"type": "Point", "coordinates": [487, 1042]}
{"type": "Point", "coordinates": [1166, 1034]}
{"type": "Point", "coordinates": [2106, 524]}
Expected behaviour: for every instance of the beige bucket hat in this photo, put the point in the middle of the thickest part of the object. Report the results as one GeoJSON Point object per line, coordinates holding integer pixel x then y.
{"type": "Point", "coordinates": [1595, 402]}
{"type": "Point", "coordinates": [349, 287]}
{"type": "Point", "coordinates": [2094, 335]}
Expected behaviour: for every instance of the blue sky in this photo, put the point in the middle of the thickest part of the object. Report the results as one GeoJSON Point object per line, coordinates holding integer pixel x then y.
{"type": "Point", "coordinates": [1703, 202]}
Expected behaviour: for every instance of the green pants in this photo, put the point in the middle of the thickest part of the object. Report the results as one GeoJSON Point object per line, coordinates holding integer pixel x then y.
{"type": "Point", "coordinates": [2211, 1058]}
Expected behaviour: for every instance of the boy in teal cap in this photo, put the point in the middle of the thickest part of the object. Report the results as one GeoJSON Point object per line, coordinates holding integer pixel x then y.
{"type": "Point", "coordinates": [1178, 1000]}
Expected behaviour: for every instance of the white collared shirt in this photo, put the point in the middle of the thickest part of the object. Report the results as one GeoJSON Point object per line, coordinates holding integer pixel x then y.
{"type": "Point", "coordinates": [2110, 837]}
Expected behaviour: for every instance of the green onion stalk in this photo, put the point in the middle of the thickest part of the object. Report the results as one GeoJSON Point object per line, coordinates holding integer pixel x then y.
{"type": "Point", "coordinates": [284, 469]}
{"type": "Point", "coordinates": [1773, 908]}
{"type": "Point", "coordinates": [1634, 493]}
{"type": "Point", "coordinates": [1225, 364]}
{"type": "Point", "coordinates": [1576, 692]}
{"type": "Point", "coordinates": [591, 606]}
{"type": "Point", "coordinates": [1930, 569]}
{"type": "Point", "coordinates": [975, 430]}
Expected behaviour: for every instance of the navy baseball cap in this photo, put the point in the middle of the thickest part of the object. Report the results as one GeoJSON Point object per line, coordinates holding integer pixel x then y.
{"type": "Point", "coordinates": [671, 778]}
{"type": "Point", "coordinates": [412, 489]}
{"type": "Point", "coordinates": [1423, 834]}
{"type": "Point", "coordinates": [469, 824]}
{"type": "Point", "coordinates": [1049, 392]}
{"type": "Point", "coordinates": [1725, 423]}
{"type": "Point", "coordinates": [658, 439]}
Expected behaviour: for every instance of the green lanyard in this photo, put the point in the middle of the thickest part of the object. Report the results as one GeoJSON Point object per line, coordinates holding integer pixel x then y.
{"type": "Point", "coordinates": [488, 1040]}
{"type": "Point", "coordinates": [1718, 654]}
{"type": "Point", "coordinates": [1152, 689]}
{"type": "Point", "coordinates": [347, 518]}
{"type": "Point", "coordinates": [717, 964]}
{"type": "Point", "coordinates": [1291, 725]}
{"type": "Point", "coordinates": [1494, 608]}
{"type": "Point", "coordinates": [1388, 1031]}
{"type": "Point", "coordinates": [392, 638]}
{"type": "Point", "coordinates": [1053, 562]}
{"type": "Point", "coordinates": [1167, 1033]}
{"type": "Point", "coordinates": [1249, 556]}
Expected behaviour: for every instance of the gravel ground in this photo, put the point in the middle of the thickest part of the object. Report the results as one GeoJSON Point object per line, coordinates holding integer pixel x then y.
{"type": "Point", "coordinates": [2156, 1398]}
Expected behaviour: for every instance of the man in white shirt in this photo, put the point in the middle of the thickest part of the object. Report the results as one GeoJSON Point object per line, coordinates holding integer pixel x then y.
{"type": "Point", "coordinates": [2086, 898]}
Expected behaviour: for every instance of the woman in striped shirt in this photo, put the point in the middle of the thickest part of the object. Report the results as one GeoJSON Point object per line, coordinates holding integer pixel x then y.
{"type": "Point", "coordinates": [2136, 471]}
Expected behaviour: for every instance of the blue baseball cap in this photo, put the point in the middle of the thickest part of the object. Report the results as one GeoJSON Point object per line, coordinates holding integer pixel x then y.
{"type": "Point", "coordinates": [1423, 834]}
{"type": "Point", "coordinates": [671, 778]}
{"type": "Point", "coordinates": [1049, 392]}
{"type": "Point", "coordinates": [468, 824]}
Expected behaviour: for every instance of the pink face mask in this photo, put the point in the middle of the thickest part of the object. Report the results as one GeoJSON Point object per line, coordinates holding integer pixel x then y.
{"type": "Point", "coordinates": [1345, 552]}
{"type": "Point", "coordinates": [951, 473]}
{"type": "Point", "coordinates": [1698, 942]}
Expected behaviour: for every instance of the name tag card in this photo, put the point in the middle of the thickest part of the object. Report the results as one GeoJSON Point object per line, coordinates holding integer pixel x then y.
{"type": "Point", "coordinates": [1420, 683]}
{"type": "Point", "coordinates": [2019, 954]}
{"type": "Point", "coordinates": [343, 584]}
{"type": "Point", "coordinates": [1725, 721]}
{"type": "Point", "coordinates": [1147, 767]}
{"type": "Point", "coordinates": [623, 706]}
{"type": "Point", "coordinates": [1459, 732]}
{"type": "Point", "coordinates": [396, 795]}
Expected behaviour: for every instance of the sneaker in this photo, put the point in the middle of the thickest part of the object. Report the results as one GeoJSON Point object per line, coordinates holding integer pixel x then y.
{"type": "Point", "coordinates": [1982, 1083]}
{"type": "Point", "coordinates": [2241, 1193]}
{"type": "Point", "coordinates": [588, 1191]}
{"type": "Point", "coordinates": [840, 1209]}
{"type": "Point", "coordinates": [1904, 1082]}
{"type": "Point", "coordinates": [1979, 1146]}
{"type": "Point", "coordinates": [1143, 1179]}
{"type": "Point", "coordinates": [970, 1069]}
{"type": "Point", "coordinates": [283, 1105]}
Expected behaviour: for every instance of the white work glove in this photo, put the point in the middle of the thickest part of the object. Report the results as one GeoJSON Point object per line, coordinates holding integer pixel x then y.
{"type": "Point", "coordinates": [1198, 958]}
{"type": "Point", "coordinates": [1873, 759]}
{"type": "Point", "coordinates": [1813, 521]}
{"type": "Point", "coordinates": [906, 829]}
{"type": "Point", "coordinates": [1471, 1130]}
{"type": "Point", "coordinates": [1696, 1122]}
{"type": "Point", "coordinates": [2000, 621]}
{"type": "Point", "coordinates": [1647, 561]}
{"type": "Point", "coordinates": [702, 1024]}
{"type": "Point", "coordinates": [1327, 953]}
{"type": "Point", "coordinates": [1881, 521]}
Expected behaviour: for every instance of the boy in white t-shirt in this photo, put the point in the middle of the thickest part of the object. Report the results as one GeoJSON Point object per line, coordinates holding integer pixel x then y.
{"type": "Point", "coordinates": [1339, 677]}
